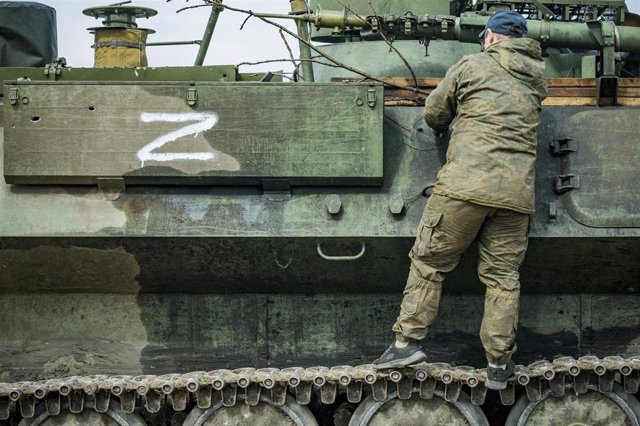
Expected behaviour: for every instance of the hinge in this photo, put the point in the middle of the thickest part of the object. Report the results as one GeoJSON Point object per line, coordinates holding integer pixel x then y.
{"type": "Point", "coordinates": [192, 96]}
{"type": "Point", "coordinates": [563, 146]}
{"type": "Point", "coordinates": [276, 189]}
{"type": "Point", "coordinates": [564, 183]}
{"type": "Point", "coordinates": [13, 95]}
{"type": "Point", "coordinates": [371, 97]}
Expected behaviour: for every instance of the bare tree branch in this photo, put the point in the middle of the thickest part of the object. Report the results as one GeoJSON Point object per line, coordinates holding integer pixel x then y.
{"type": "Point", "coordinates": [269, 61]}
{"type": "Point", "coordinates": [293, 58]}
{"type": "Point", "coordinates": [335, 63]}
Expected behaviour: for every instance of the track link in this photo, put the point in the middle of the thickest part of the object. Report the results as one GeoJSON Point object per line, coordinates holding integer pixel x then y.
{"type": "Point", "coordinates": [152, 392]}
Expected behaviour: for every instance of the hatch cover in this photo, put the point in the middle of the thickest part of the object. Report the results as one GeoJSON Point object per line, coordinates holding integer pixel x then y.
{"type": "Point", "coordinates": [607, 162]}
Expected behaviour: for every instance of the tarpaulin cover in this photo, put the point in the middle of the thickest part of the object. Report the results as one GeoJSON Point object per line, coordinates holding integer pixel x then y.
{"type": "Point", "coordinates": [120, 48]}
{"type": "Point", "coordinates": [28, 34]}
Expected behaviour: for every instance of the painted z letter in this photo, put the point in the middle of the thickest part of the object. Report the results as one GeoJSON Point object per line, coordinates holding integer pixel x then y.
{"type": "Point", "coordinates": [204, 121]}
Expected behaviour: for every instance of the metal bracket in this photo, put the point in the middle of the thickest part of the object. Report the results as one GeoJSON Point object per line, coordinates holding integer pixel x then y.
{"type": "Point", "coordinates": [608, 40]}
{"type": "Point", "coordinates": [371, 97]}
{"type": "Point", "coordinates": [553, 212]}
{"type": "Point", "coordinates": [13, 95]}
{"type": "Point", "coordinates": [607, 91]}
{"type": "Point", "coordinates": [267, 77]}
{"type": "Point", "coordinates": [54, 69]}
{"type": "Point", "coordinates": [114, 186]}
{"type": "Point", "coordinates": [333, 204]}
{"type": "Point", "coordinates": [396, 204]}
{"type": "Point", "coordinates": [192, 96]}
{"type": "Point", "coordinates": [565, 183]}
{"type": "Point", "coordinates": [605, 32]}
{"type": "Point", "coordinates": [563, 146]}
{"type": "Point", "coordinates": [276, 189]}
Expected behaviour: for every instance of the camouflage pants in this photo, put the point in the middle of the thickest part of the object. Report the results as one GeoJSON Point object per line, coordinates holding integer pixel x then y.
{"type": "Point", "coordinates": [447, 228]}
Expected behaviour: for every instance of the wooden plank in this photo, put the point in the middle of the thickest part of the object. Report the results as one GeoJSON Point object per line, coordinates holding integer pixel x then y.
{"type": "Point", "coordinates": [237, 133]}
{"type": "Point", "coordinates": [562, 91]}
{"type": "Point", "coordinates": [551, 82]}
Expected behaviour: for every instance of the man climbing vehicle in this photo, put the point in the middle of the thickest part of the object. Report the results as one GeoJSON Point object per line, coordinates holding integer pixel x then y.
{"type": "Point", "coordinates": [484, 192]}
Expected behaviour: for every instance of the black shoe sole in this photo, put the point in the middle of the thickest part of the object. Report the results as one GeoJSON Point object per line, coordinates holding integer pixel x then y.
{"type": "Point", "coordinates": [416, 358]}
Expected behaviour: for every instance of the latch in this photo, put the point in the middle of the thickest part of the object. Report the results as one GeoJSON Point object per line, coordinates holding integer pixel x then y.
{"type": "Point", "coordinates": [276, 189]}
{"type": "Point", "coordinates": [563, 146]}
{"type": "Point", "coordinates": [192, 96]}
{"type": "Point", "coordinates": [13, 95]}
{"type": "Point", "coordinates": [371, 97]}
{"type": "Point", "coordinates": [565, 183]}
{"type": "Point", "coordinates": [54, 69]}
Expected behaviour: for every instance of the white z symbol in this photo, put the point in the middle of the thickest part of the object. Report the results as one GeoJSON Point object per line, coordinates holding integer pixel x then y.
{"type": "Point", "coordinates": [205, 121]}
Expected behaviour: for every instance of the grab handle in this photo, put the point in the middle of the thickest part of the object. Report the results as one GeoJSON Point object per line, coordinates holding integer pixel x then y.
{"type": "Point", "coordinates": [340, 258]}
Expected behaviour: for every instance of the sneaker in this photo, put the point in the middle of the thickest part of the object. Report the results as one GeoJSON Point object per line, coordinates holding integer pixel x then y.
{"type": "Point", "coordinates": [395, 357]}
{"type": "Point", "coordinates": [497, 377]}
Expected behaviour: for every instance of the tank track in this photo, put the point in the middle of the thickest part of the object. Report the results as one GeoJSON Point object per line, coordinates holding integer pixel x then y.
{"type": "Point", "coordinates": [153, 392]}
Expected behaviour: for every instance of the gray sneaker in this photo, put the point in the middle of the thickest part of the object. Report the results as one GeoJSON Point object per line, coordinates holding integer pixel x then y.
{"type": "Point", "coordinates": [395, 357]}
{"type": "Point", "coordinates": [497, 377]}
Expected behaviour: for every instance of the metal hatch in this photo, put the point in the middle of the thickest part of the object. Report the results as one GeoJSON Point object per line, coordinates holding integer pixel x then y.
{"type": "Point", "coordinates": [193, 133]}
{"type": "Point", "coordinates": [603, 164]}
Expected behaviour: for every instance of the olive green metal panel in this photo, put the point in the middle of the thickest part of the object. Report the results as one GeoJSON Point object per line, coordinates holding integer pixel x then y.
{"type": "Point", "coordinates": [208, 73]}
{"type": "Point", "coordinates": [604, 167]}
{"type": "Point", "coordinates": [217, 133]}
{"type": "Point", "coordinates": [388, 63]}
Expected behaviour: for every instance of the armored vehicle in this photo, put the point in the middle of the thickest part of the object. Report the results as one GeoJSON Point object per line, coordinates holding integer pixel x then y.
{"type": "Point", "coordinates": [198, 245]}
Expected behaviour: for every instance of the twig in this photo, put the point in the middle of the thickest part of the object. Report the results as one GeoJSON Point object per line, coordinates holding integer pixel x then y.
{"type": "Point", "coordinates": [245, 21]}
{"type": "Point", "coordinates": [192, 7]}
{"type": "Point", "coordinates": [293, 59]}
{"type": "Point", "coordinates": [269, 61]}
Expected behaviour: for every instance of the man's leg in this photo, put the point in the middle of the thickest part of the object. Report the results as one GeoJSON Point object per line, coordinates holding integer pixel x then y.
{"type": "Point", "coordinates": [447, 228]}
{"type": "Point", "coordinates": [502, 244]}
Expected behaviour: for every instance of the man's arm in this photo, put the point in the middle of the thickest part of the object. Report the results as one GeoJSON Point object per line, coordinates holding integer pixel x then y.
{"type": "Point", "coordinates": [440, 106]}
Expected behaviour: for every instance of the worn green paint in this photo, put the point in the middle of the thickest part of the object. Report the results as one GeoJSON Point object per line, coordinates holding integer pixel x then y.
{"type": "Point", "coordinates": [327, 134]}
{"type": "Point", "coordinates": [607, 171]}
{"type": "Point", "coordinates": [206, 73]}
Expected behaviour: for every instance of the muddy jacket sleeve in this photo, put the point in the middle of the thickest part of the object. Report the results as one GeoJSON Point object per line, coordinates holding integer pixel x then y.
{"type": "Point", "coordinates": [440, 107]}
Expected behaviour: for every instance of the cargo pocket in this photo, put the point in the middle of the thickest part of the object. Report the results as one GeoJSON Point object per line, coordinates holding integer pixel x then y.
{"type": "Point", "coordinates": [423, 244]}
{"type": "Point", "coordinates": [409, 305]}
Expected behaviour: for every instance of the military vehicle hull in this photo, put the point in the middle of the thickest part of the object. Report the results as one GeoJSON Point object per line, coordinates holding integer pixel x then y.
{"type": "Point", "coordinates": [154, 280]}
{"type": "Point", "coordinates": [249, 269]}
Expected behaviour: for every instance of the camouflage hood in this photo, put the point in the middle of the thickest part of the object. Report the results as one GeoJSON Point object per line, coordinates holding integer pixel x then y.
{"type": "Point", "coordinates": [520, 57]}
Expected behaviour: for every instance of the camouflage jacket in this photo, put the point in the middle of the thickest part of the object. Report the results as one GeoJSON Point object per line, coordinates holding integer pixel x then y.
{"type": "Point", "coordinates": [493, 99]}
